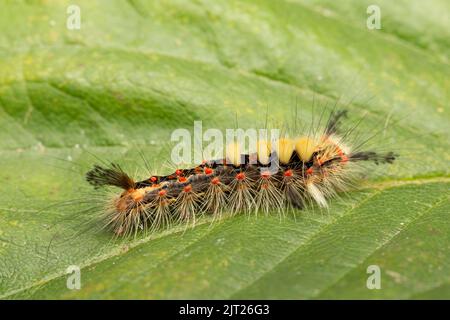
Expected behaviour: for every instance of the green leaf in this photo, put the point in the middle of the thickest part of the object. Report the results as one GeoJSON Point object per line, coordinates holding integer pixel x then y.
{"type": "Point", "coordinates": [137, 70]}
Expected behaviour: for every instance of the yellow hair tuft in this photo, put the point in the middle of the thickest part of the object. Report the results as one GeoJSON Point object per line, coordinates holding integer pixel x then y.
{"type": "Point", "coordinates": [285, 149]}
{"type": "Point", "coordinates": [264, 151]}
{"type": "Point", "coordinates": [305, 147]}
{"type": "Point", "coordinates": [234, 153]}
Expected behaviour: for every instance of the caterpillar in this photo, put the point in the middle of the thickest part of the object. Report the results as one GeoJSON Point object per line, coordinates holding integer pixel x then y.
{"type": "Point", "coordinates": [310, 168]}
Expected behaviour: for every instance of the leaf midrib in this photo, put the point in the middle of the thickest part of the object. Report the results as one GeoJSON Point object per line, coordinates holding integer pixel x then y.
{"type": "Point", "coordinates": [118, 252]}
{"type": "Point", "coordinates": [323, 229]}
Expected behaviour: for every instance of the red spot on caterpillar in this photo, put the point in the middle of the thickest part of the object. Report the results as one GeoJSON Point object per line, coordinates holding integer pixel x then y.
{"type": "Point", "coordinates": [208, 170]}
{"type": "Point", "coordinates": [162, 193]}
{"type": "Point", "coordinates": [215, 181]}
{"type": "Point", "coordinates": [265, 175]}
{"type": "Point", "coordinates": [288, 173]}
{"type": "Point", "coordinates": [182, 179]}
{"type": "Point", "coordinates": [153, 179]}
{"type": "Point", "coordinates": [178, 172]}
{"type": "Point", "coordinates": [340, 152]}
{"type": "Point", "coordinates": [240, 176]}
{"type": "Point", "coordinates": [265, 186]}
{"type": "Point", "coordinates": [188, 188]}
{"type": "Point", "coordinates": [310, 171]}
{"type": "Point", "coordinates": [344, 158]}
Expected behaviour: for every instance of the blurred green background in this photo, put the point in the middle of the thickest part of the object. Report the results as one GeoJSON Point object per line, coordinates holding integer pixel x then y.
{"type": "Point", "coordinates": [137, 70]}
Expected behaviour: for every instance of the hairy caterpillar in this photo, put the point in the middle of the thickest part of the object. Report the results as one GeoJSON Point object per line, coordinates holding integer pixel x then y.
{"type": "Point", "coordinates": [309, 169]}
